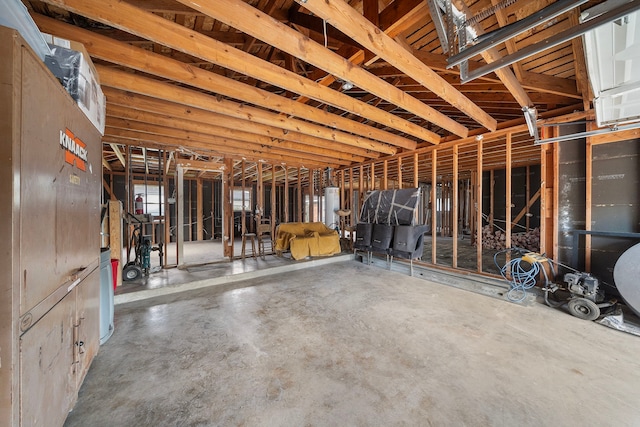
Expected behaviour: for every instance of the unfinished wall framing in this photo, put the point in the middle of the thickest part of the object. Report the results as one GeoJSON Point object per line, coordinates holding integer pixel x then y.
{"type": "Point", "coordinates": [449, 176]}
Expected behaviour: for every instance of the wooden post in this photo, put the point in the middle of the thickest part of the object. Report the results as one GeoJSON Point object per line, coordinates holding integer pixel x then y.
{"type": "Point", "coordinates": [286, 194]}
{"type": "Point", "coordinates": [227, 209]}
{"type": "Point", "coordinates": [434, 204]}
{"type": "Point", "coordinates": [547, 165]}
{"type": "Point", "coordinates": [454, 261]}
{"type": "Point", "coordinates": [508, 193]}
{"type": "Point", "coordinates": [179, 214]}
{"type": "Point", "coordinates": [361, 188]}
{"type": "Point", "coordinates": [260, 191]}
{"type": "Point", "coordinates": [354, 218]}
{"type": "Point", "coordinates": [492, 197]}
{"type": "Point", "coordinates": [243, 214]}
{"type": "Point", "coordinates": [372, 186]}
{"type": "Point", "coordinates": [479, 208]}
{"type": "Point", "coordinates": [416, 184]}
{"type": "Point", "coordinates": [312, 184]}
{"type": "Point", "coordinates": [273, 199]}
{"type": "Point", "coordinates": [299, 218]}
{"type": "Point", "coordinates": [199, 216]}
{"type": "Point", "coordinates": [385, 171]}
{"type": "Point", "coordinates": [399, 172]}
{"type": "Point", "coordinates": [189, 214]}
{"type": "Point", "coordinates": [472, 205]}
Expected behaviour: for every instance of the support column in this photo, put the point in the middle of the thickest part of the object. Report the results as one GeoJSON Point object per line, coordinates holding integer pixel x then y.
{"type": "Point", "coordinates": [454, 261]}
{"type": "Point", "coordinates": [479, 208]}
{"type": "Point", "coordinates": [434, 204]}
{"type": "Point", "coordinates": [199, 216]}
{"type": "Point", "coordinates": [179, 214]}
{"type": "Point", "coordinates": [286, 194]}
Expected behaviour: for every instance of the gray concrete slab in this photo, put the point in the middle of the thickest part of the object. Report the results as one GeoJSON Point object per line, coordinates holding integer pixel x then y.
{"type": "Point", "coordinates": [351, 344]}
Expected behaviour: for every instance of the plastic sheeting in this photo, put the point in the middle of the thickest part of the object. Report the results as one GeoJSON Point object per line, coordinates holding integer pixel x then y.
{"type": "Point", "coordinates": [65, 65]}
{"type": "Point", "coordinates": [391, 207]}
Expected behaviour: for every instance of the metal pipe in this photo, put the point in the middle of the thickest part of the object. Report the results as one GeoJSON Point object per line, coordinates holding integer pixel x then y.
{"type": "Point", "coordinates": [500, 35]}
{"type": "Point", "coordinates": [586, 134]}
{"type": "Point", "coordinates": [571, 33]}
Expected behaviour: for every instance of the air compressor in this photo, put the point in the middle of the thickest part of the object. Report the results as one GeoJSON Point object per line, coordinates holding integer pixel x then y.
{"type": "Point", "coordinates": [580, 291]}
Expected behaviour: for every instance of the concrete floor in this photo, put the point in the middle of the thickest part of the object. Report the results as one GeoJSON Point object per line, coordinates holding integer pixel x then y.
{"type": "Point", "coordinates": [350, 344]}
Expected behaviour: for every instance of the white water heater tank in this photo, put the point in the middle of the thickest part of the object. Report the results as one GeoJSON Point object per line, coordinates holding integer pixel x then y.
{"type": "Point", "coordinates": [331, 206]}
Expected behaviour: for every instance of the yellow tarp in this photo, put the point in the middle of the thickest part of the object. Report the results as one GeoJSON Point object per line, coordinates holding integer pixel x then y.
{"type": "Point", "coordinates": [305, 239]}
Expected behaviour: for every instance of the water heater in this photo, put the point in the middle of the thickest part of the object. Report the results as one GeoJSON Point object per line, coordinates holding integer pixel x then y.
{"type": "Point", "coordinates": [331, 205]}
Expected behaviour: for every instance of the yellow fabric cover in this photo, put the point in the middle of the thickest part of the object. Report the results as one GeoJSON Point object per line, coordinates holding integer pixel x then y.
{"type": "Point", "coordinates": [305, 239]}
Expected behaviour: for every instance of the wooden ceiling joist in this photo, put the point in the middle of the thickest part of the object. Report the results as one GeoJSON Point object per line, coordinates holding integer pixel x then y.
{"type": "Point", "coordinates": [121, 116]}
{"type": "Point", "coordinates": [248, 19]}
{"type": "Point", "coordinates": [121, 103]}
{"type": "Point", "coordinates": [155, 89]}
{"type": "Point", "coordinates": [349, 21]}
{"type": "Point", "coordinates": [217, 146]}
{"type": "Point", "coordinates": [162, 31]}
{"type": "Point", "coordinates": [144, 131]}
{"type": "Point", "coordinates": [149, 62]}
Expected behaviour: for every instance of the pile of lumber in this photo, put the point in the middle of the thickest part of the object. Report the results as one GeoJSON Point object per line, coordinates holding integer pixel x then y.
{"type": "Point", "coordinates": [496, 239]}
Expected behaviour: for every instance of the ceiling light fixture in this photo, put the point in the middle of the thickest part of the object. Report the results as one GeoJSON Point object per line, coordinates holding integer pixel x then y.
{"type": "Point", "coordinates": [347, 85]}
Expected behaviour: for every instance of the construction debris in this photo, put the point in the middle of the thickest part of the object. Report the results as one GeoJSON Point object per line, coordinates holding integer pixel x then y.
{"type": "Point", "coordinates": [496, 240]}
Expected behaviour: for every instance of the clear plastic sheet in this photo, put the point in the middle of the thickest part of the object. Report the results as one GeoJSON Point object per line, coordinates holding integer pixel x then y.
{"type": "Point", "coordinates": [65, 65]}
{"type": "Point", "coordinates": [391, 207]}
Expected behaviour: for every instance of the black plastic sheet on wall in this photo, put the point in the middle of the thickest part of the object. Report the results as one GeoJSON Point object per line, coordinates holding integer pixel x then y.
{"type": "Point", "coordinates": [392, 207]}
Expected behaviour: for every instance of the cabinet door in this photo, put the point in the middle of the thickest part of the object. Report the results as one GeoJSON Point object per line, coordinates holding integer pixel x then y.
{"type": "Point", "coordinates": [59, 200]}
{"type": "Point", "coordinates": [47, 378]}
{"type": "Point", "coordinates": [88, 321]}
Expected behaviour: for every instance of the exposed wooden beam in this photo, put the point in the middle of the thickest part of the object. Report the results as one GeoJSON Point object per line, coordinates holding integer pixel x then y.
{"type": "Point", "coordinates": [223, 148]}
{"type": "Point", "coordinates": [315, 24]}
{"type": "Point", "coordinates": [551, 84]}
{"type": "Point", "coordinates": [349, 21]}
{"type": "Point", "coordinates": [106, 164]}
{"type": "Point", "coordinates": [169, 114]}
{"type": "Point", "coordinates": [145, 86]}
{"type": "Point", "coordinates": [248, 19]}
{"type": "Point", "coordinates": [153, 27]}
{"type": "Point", "coordinates": [200, 165]}
{"type": "Point", "coordinates": [129, 56]}
{"type": "Point", "coordinates": [140, 132]}
{"type": "Point", "coordinates": [118, 153]}
{"type": "Point", "coordinates": [582, 79]}
{"type": "Point", "coordinates": [117, 116]}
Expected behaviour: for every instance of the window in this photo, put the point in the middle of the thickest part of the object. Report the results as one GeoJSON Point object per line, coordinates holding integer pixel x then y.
{"type": "Point", "coordinates": [152, 196]}
{"type": "Point", "coordinates": [237, 200]}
